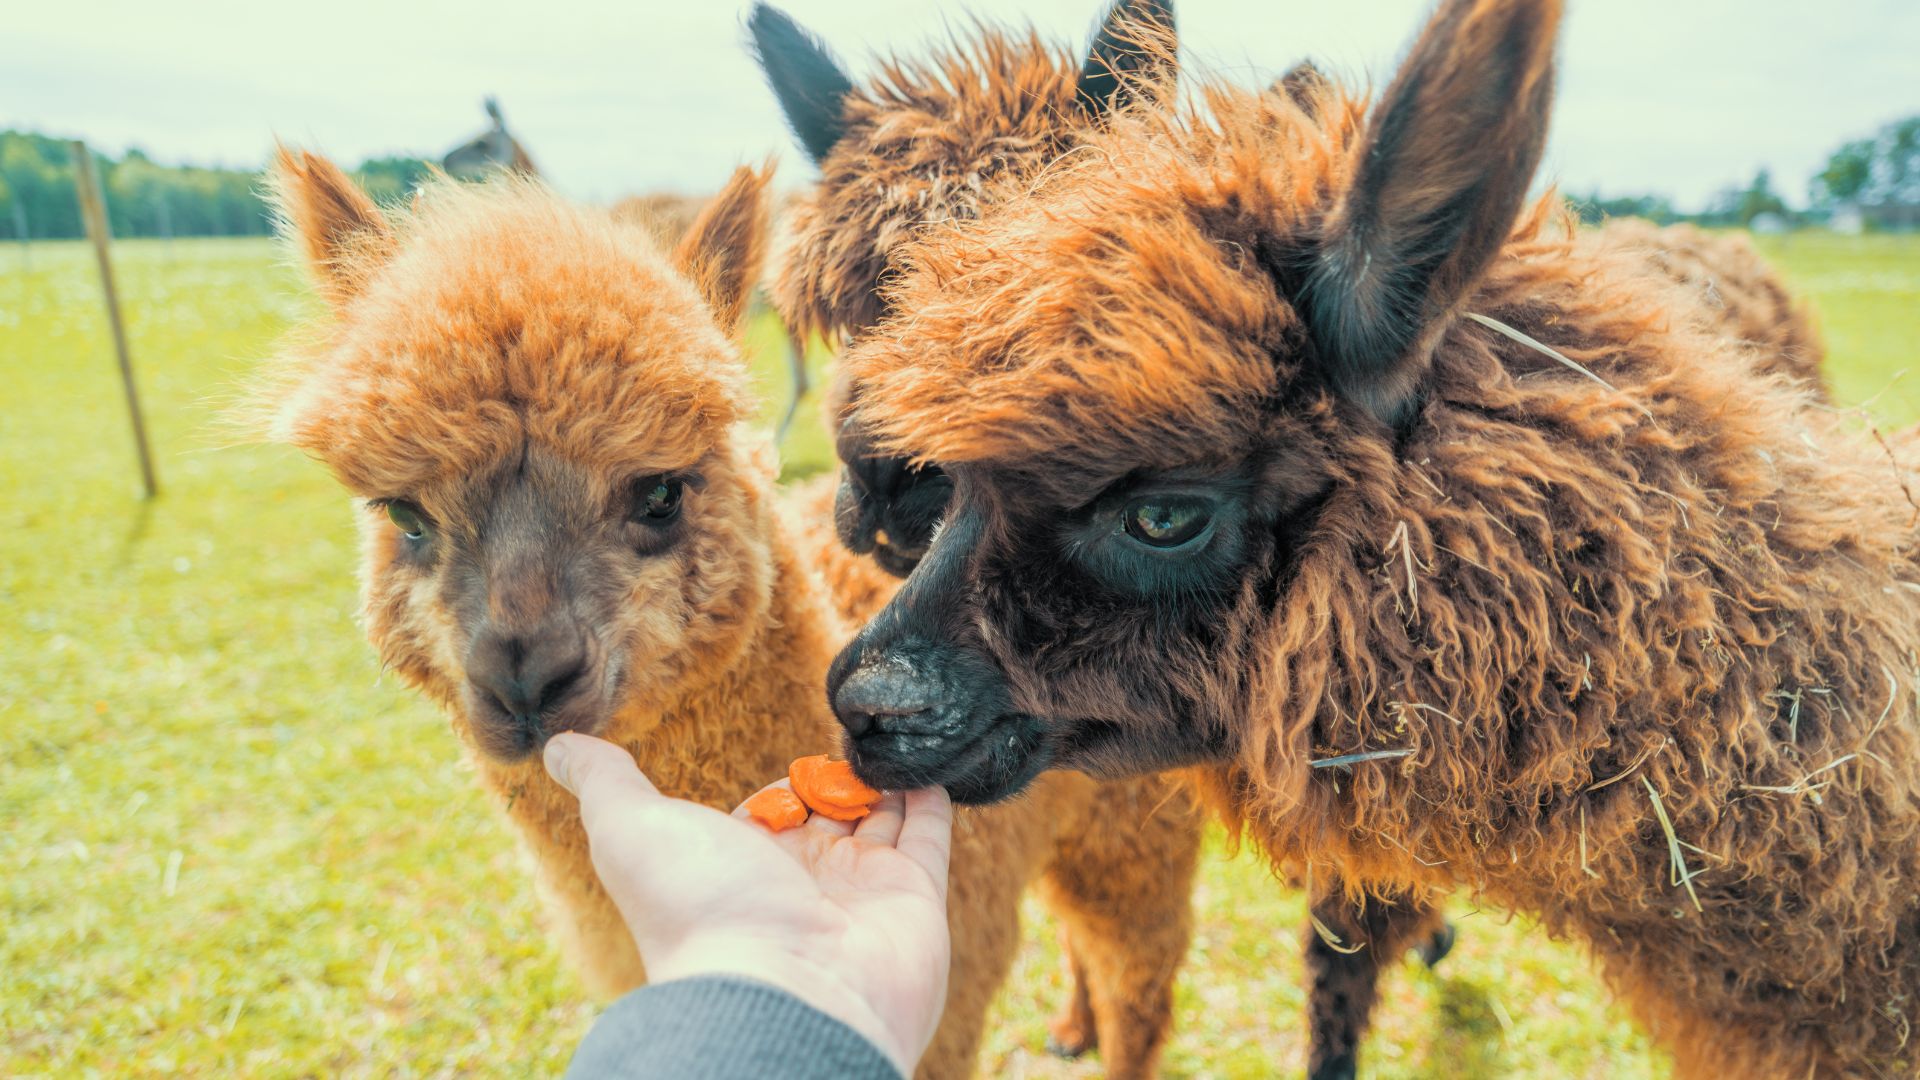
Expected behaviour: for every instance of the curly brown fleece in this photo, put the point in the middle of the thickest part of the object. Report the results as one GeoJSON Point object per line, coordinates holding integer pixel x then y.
{"type": "Point", "coordinates": [931, 141]}
{"type": "Point", "coordinates": [1737, 289]}
{"type": "Point", "coordinates": [497, 339]}
{"type": "Point", "coordinates": [1645, 652]}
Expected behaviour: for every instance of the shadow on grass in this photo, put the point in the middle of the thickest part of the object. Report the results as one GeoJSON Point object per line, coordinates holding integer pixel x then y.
{"type": "Point", "coordinates": [138, 526]}
{"type": "Point", "coordinates": [1470, 1034]}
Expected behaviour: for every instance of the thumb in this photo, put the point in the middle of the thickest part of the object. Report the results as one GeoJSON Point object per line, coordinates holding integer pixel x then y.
{"type": "Point", "coordinates": [601, 775]}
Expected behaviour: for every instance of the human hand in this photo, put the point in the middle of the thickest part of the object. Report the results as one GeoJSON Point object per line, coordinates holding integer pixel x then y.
{"type": "Point", "coordinates": [849, 917]}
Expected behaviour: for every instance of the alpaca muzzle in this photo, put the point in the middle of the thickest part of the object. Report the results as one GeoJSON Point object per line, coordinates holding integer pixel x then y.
{"type": "Point", "coordinates": [521, 684]}
{"type": "Point", "coordinates": [922, 704]}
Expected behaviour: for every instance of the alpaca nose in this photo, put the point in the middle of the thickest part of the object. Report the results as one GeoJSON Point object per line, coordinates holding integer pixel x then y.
{"type": "Point", "coordinates": [528, 673]}
{"type": "Point", "coordinates": [883, 698]}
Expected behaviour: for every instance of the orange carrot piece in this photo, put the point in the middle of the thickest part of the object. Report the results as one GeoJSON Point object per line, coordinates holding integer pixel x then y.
{"type": "Point", "coordinates": [777, 808]}
{"type": "Point", "coordinates": [830, 789]}
{"type": "Point", "coordinates": [841, 813]}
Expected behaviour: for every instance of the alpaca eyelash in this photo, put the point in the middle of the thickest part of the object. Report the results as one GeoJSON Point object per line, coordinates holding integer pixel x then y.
{"type": "Point", "coordinates": [382, 502]}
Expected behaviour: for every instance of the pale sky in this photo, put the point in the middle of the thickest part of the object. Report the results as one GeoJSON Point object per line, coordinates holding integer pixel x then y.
{"type": "Point", "coordinates": [1675, 96]}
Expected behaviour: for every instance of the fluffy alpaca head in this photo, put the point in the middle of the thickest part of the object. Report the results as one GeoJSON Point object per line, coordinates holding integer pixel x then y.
{"type": "Point", "coordinates": [926, 142]}
{"type": "Point", "coordinates": [1149, 383]}
{"type": "Point", "coordinates": [536, 408]}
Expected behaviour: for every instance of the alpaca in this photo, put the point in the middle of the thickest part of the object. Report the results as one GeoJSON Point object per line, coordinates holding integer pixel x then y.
{"type": "Point", "coordinates": [1454, 547]}
{"type": "Point", "coordinates": [1738, 291]}
{"type": "Point", "coordinates": [567, 527]}
{"type": "Point", "coordinates": [935, 140]}
{"type": "Point", "coordinates": [490, 151]}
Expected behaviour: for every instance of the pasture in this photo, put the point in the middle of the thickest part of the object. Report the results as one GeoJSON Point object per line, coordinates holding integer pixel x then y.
{"type": "Point", "coordinates": [230, 847]}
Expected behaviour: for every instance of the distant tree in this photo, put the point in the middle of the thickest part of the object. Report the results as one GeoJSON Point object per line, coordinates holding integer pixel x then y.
{"type": "Point", "coordinates": [391, 179]}
{"type": "Point", "coordinates": [146, 198]}
{"type": "Point", "coordinates": [1739, 206]}
{"type": "Point", "coordinates": [1594, 208]}
{"type": "Point", "coordinates": [1847, 172]}
{"type": "Point", "coordinates": [1881, 171]}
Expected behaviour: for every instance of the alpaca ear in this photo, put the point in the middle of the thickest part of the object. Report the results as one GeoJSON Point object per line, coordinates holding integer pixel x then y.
{"type": "Point", "coordinates": [339, 230]}
{"type": "Point", "coordinates": [1443, 170]}
{"type": "Point", "coordinates": [724, 248]}
{"type": "Point", "coordinates": [811, 87]}
{"type": "Point", "coordinates": [1136, 43]}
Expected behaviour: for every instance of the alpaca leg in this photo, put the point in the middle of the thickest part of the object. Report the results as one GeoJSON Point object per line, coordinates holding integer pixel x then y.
{"type": "Point", "coordinates": [1344, 984]}
{"type": "Point", "coordinates": [1071, 1032]}
{"type": "Point", "coordinates": [992, 851]}
{"type": "Point", "coordinates": [592, 936]}
{"type": "Point", "coordinates": [1125, 898]}
{"type": "Point", "coordinates": [797, 363]}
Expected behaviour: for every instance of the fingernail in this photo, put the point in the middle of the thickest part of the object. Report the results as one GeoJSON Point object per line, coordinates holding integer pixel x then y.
{"type": "Point", "coordinates": [555, 759]}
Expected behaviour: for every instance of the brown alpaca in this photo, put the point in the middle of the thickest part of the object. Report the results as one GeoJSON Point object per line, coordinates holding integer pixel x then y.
{"type": "Point", "coordinates": [935, 140]}
{"type": "Point", "coordinates": [1737, 290]}
{"type": "Point", "coordinates": [1740, 293]}
{"type": "Point", "coordinates": [1248, 471]}
{"type": "Point", "coordinates": [567, 527]}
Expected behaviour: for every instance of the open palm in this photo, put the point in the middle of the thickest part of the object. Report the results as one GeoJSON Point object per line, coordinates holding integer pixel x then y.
{"type": "Point", "coordinates": [849, 917]}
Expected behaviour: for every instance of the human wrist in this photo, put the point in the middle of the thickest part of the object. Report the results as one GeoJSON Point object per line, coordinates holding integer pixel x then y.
{"type": "Point", "coordinates": [815, 983]}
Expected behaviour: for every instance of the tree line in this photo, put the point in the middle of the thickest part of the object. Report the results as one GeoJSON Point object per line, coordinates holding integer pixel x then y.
{"type": "Point", "coordinates": [1878, 173]}
{"type": "Point", "coordinates": [145, 198]}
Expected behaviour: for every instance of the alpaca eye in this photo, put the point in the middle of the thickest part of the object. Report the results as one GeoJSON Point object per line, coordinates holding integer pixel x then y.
{"type": "Point", "coordinates": [656, 499]}
{"type": "Point", "coordinates": [408, 519]}
{"type": "Point", "coordinates": [1167, 521]}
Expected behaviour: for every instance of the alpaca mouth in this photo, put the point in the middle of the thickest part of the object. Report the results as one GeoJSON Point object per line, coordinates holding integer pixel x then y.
{"type": "Point", "coordinates": [509, 739]}
{"type": "Point", "coordinates": [896, 560]}
{"type": "Point", "coordinates": [996, 764]}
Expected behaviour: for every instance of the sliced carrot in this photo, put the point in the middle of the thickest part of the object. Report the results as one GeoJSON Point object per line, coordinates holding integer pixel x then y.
{"type": "Point", "coordinates": [830, 789]}
{"type": "Point", "coordinates": [778, 809]}
{"type": "Point", "coordinates": [840, 813]}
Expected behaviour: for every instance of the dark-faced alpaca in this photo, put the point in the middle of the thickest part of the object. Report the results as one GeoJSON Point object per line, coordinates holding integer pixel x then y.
{"type": "Point", "coordinates": [1738, 294]}
{"type": "Point", "coordinates": [569, 525]}
{"type": "Point", "coordinates": [1253, 468]}
{"type": "Point", "coordinates": [925, 142]}
{"type": "Point", "coordinates": [932, 141]}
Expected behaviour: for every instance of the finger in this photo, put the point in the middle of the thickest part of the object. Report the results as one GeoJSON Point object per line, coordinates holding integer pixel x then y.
{"type": "Point", "coordinates": [601, 775]}
{"type": "Point", "coordinates": [926, 833]}
{"type": "Point", "coordinates": [741, 810]}
{"type": "Point", "coordinates": [882, 826]}
{"type": "Point", "coordinates": [826, 826]}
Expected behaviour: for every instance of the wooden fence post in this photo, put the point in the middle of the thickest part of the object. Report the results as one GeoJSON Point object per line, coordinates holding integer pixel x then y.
{"type": "Point", "coordinates": [20, 233]}
{"type": "Point", "coordinates": [93, 208]}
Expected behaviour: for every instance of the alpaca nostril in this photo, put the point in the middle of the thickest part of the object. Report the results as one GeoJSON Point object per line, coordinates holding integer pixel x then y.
{"type": "Point", "coordinates": [876, 699]}
{"type": "Point", "coordinates": [559, 686]}
{"type": "Point", "coordinates": [528, 675]}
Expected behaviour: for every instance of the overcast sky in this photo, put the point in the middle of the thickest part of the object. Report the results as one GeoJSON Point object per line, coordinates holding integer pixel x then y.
{"type": "Point", "coordinates": [1675, 96]}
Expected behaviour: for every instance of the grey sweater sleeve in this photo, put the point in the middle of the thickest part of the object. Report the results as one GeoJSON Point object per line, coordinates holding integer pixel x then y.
{"type": "Point", "coordinates": [721, 1028]}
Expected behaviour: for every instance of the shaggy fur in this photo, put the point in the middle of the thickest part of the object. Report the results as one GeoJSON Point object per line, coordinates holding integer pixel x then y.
{"type": "Point", "coordinates": [1738, 290]}
{"type": "Point", "coordinates": [506, 363]}
{"type": "Point", "coordinates": [931, 141]}
{"type": "Point", "coordinates": [1636, 659]}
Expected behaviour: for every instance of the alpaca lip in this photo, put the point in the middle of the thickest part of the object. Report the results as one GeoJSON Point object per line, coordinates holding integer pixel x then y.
{"type": "Point", "coordinates": [997, 764]}
{"type": "Point", "coordinates": [514, 738]}
{"type": "Point", "coordinates": [896, 561]}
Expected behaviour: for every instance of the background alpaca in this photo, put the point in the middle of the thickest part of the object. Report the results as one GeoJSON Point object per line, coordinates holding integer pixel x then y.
{"type": "Point", "coordinates": [1738, 291]}
{"type": "Point", "coordinates": [1630, 648]}
{"type": "Point", "coordinates": [934, 140]}
{"type": "Point", "coordinates": [548, 546]}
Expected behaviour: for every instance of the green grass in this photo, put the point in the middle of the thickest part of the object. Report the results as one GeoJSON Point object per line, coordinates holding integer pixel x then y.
{"type": "Point", "coordinates": [230, 848]}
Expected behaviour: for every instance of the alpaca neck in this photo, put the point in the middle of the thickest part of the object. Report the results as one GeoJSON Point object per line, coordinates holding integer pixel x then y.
{"type": "Point", "coordinates": [741, 727]}
{"type": "Point", "coordinates": [716, 744]}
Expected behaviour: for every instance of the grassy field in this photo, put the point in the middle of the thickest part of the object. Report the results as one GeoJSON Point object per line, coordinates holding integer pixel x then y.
{"type": "Point", "coordinates": [228, 847]}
